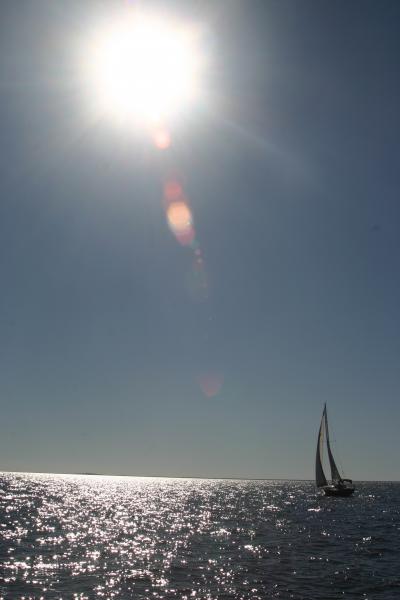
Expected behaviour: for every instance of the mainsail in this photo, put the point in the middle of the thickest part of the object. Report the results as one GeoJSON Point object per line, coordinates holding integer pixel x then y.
{"type": "Point", "coordinates": [320, 478]}
{"type": "Point", "coordinates": [334, 470]}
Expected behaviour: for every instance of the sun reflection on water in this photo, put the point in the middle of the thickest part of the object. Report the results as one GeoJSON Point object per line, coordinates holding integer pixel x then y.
{"type": "Point", "coordinates": [93, 537]}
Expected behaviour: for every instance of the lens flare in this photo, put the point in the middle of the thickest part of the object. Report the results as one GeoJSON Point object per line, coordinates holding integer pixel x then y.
{"type": "Point", "coordinates": [173, 191]}
{"type": "Point", "coordinates": [211, 384]}
{"type": "Point", "coordinates": [180, 221]}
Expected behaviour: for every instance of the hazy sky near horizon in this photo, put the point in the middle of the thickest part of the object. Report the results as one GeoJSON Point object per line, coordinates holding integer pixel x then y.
{"type": "Point", "coordinates": [113, 359]}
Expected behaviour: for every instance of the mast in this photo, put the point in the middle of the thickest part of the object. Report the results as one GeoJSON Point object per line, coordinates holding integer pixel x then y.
{"type": "Point", "coordinates": [334, 470]}
{"type": "Point", "coordinates": [320, 479]}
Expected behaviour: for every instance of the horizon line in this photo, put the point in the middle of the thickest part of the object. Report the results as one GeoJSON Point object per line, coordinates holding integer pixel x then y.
{"type": "Point", "coordinates": [233, 478]}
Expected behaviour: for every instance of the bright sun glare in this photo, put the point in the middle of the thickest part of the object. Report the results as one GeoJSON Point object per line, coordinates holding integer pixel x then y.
{"type": "Point", "coordinates": [144, 69]}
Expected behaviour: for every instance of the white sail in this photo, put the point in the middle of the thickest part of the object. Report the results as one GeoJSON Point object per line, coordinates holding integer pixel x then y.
{"type": "Point", "coordinates": [334, 470]}
{"type": "Point", "coordinates": [320, 478]}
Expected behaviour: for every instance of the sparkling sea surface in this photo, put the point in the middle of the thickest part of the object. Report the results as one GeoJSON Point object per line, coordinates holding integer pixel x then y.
{"type": "Point", "coordinates": [84, 537]}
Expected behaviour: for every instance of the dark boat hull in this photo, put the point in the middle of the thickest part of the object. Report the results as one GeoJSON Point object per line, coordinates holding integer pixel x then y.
{"type": "Point", "coordinates": [338, 491]}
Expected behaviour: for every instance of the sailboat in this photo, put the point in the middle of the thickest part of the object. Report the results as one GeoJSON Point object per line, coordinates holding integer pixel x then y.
{"type": "Point", "coordinates": [338, 486]}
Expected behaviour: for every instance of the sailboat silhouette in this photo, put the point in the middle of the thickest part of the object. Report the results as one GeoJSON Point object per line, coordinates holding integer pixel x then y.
{"type": "Point", "coordinates": [338, 485]}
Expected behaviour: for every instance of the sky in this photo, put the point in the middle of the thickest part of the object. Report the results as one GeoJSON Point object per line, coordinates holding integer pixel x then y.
{"type": "Point", "coordinates": [124, 350]}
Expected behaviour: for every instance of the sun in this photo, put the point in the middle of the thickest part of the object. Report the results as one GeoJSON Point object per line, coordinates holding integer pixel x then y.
{"type": "Point", "coordinates": [143, 68]}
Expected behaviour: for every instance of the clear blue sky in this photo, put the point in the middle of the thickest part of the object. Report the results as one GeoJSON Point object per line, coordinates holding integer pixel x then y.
{"type": "Point", "coordinates": [291, 164]}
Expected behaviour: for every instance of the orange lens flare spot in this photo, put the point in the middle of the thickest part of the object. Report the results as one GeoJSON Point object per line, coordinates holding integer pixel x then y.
{"type": "Point", "coordinates": [181, 222]}
{"type": "Point", "coordinates": [179, 216]}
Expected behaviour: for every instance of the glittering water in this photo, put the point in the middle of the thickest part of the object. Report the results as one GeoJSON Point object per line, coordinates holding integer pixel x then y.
{"type": "Point", "coordinates": [84, 537]}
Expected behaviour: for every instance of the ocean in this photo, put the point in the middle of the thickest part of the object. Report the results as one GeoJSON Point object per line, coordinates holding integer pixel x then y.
{"type": "Point", "coordinates": [92, 537]}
